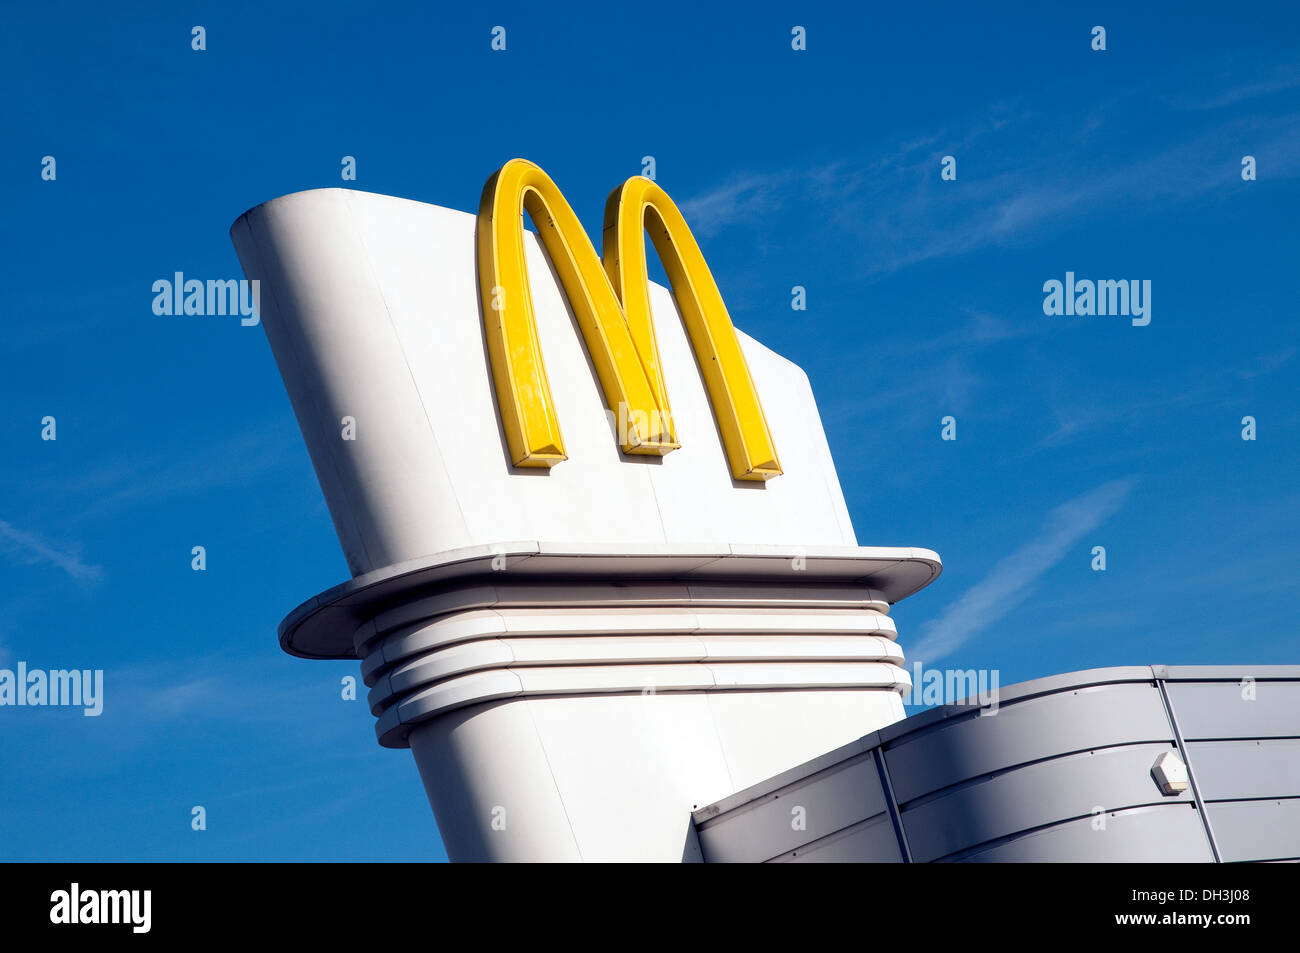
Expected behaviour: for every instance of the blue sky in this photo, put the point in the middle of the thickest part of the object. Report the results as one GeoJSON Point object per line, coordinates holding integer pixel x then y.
{"type": "Point", "coordinates": [818, 168]}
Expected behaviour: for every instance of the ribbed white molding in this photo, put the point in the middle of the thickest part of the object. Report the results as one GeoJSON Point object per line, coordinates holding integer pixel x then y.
{"type": "Point", "coordinates": [432, 656]}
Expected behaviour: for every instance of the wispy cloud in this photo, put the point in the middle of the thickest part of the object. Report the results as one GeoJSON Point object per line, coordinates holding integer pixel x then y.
{"type": "Point", "coordinates": [949, 383]}
{"type": "Point", "coordinates": [1281, 80]}
{"type": "Point", "coordinates": [1014, 577]}
{"type": "Point", "coordinates": [1089, 413]}
{"type": "Point", "coordinates": [30, 549]}
{"type": "Point", "coordinates": [744, 196]}
{"type": "Point", "coordinates": [236, 460]}
{"type": "Point", "coordinates": [1058, 171]}
{"type": "Point", "coordinates": [941, 370]}
{"type": "Point", "coordinates": [1266, 364]}
{"type": "Point", "coordinates": [217, 686]}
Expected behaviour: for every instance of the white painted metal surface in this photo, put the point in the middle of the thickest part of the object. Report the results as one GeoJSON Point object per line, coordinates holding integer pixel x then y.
{"type": "Point", "coordinates": [1143, 763]}
{"type": "Point", "coordinates": [371, 307]}
{"type": "Point", "coordinates": [664, 637]}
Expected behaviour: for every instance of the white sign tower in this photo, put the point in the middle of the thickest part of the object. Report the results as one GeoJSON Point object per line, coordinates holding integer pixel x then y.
{"type": "Point", "coordinates": [577, 655]}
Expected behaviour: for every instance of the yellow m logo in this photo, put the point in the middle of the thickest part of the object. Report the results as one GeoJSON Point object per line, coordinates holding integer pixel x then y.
{"type": "Point", "coordinates": [611, 300]}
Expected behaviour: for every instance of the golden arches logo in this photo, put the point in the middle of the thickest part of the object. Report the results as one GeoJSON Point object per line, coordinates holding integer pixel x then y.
{"type": "Point", "coordinates": [611, 299]}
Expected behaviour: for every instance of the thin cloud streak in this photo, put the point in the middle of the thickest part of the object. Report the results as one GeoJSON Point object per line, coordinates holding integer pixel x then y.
{"type": "Point", "coordinates": [893, 209]}
{"type": "Point", "coordinates": [1014, 577]}
{"type": "Point", "coordinates": [31, 549]}
{"type": "Point", "coordinates": [1283, 80]}
{"type": "Point", "coordinates": [238, 460]}
{"type": "Point", "coordinates": [736, 199]}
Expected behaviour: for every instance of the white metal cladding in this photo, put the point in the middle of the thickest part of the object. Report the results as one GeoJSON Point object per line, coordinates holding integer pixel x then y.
{"type": "Point", "coordinates": [598, 716]}
{"type": "Point", "coordinates": [558, 639]}
{"type": "Point", "coordinates": [597, 649]}
{"type": "Point", "coordinates": [764, 828]}
{"type": "Point", "coordinates": [1061, 771]}
{"type": "Point", "coordinates": [372, 311]}
{"type": "Point", "coordinates": [1159, 833]}
{"type": "Point", "coordinates": [608, 777]}
{"type": "Point", "coordinates": [1240, 726]}
{"type": "Point", "coordinates": [341, 622]}
{"type": "Point", "coordinates": [873, 838]}
{"type": "Point", "coordinates": [1035, 796]}
{"type": "Point", "coordinates": [503, 610]}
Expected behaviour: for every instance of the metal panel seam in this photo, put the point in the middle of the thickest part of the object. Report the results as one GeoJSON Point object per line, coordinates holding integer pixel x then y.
{"type": "Point", "coordinates": [891, 803]}
{"type": "Point", "coordinates": [1158, 671]}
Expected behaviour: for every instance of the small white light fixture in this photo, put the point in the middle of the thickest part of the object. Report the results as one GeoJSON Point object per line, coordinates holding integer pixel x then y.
{"type": "Point", "coordinates": [1170, 773]}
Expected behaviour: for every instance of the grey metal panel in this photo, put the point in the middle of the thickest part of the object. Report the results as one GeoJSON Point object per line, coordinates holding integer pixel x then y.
{"type": "Point", "coordinates": [1039, 727]}
{"type": "Point", "coordinates": [1166, 833]}
{"type": "Point", "coordinates": [977, 787]}
{"type": "Point", "coordinates": [1033, 796]}
{"type": "Point", "coordinates": [786, 778]}
{"type": "Point", "coordinates": [831, 800]}
{"type": "Point", "coordinates": [1263, 768]}
{"type": "Point", "coordinates": [1201, 673]}
{"type": "Point", "coordinates": [869, 842]}
{"type": "Point", "coordinates": [1216, 709]}
{"type": "Point", "coordinates": [1020, 692]}
{"type": "Point", "coordinates": [1256, 830]}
